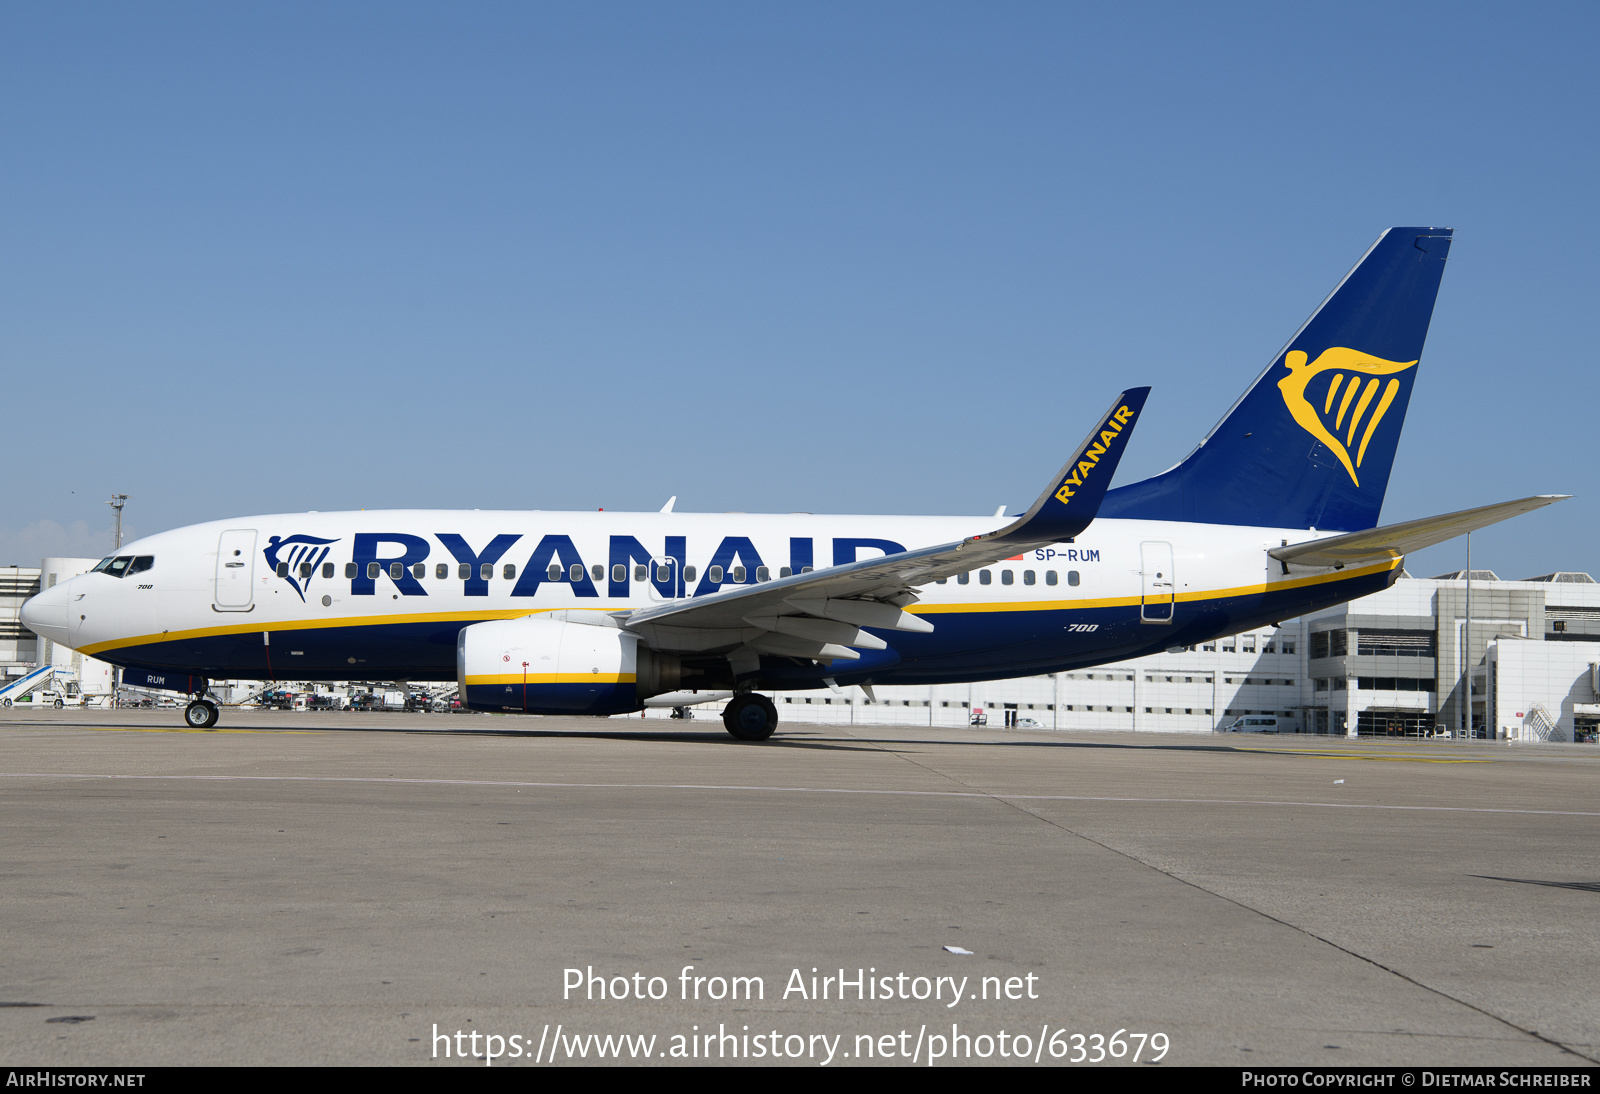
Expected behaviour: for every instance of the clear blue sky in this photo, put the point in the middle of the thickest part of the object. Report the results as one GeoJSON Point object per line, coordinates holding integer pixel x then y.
{"type": "Point", "coordinates": [842, 258]}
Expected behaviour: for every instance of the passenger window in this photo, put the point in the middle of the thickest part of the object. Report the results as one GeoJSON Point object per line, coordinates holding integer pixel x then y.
{"type": "Point", "coordinates": [985, 577]}
{"type": "Point", "coordinates": [597, 571]}
{"type": "Point", "coordinates": [688, 573]}
{"type": "Point", "coordinates": [485, 571]}
{"type": "Point", "coordinates": [763, 574]}
{"type": "Point", "coordinates": [1049, 577]}
{"type": "Point", "coordinates": [641, 573]}
{"type": "Point", "coordinates": [143, 563]}
{"type": "Point", "coordinates": [1005, 577]}
{"type": "Point", "coordinates": [942, 581]}
{"type": "Point", "coordinates": [805, 569]}
{"type": "Point", "coordinates": [283, 570]}
{"type": "Point", "coordinates": [787, 571]}
{"type": "Point", "coordinates": [419, 571]}
{"type": "Point", "coordinates": [305, 570]}
{"type": "Point", "coordinates": [1027, 577]}
{"type": "Point", "coordinates": [373, 570]}
{"type": "Point", "coordinates": [350, 570]}
{"type": "Point", "coordinates": [619, 573]}
{"type": "Point", "coordinates": [397, 570]}
{"type": "Point", "coordinates": [327, 570]}
{"type": "Point", "coordinates": [554, 573]}
{"type": "Point", "coordinates": [577, 573]}
{"type": "Point", "coordinates": [738, 574]}
{"type": "Point", "coordinates": [963, 579]}
{"type": "Point", "coordinates": [441, 571]}
{"type": "Point", "coordinates": [664, 572]}
{"type": "Point", "coordinates": [1072, 577]}
{"type": "Point", "coordinates": [714, 575]}
{"type": "Point", "coordinates": [508, 571]}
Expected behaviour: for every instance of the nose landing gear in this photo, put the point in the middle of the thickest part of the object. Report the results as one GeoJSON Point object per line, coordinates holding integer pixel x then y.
{"type": "Point", "coordinates": [201, 714]}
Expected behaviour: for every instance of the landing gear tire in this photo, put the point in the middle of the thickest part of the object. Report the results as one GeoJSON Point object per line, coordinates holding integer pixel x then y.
{"type": "Point", "coordinates": [201, 714]}
{"type": "Point", "coordinates": [750, 717]}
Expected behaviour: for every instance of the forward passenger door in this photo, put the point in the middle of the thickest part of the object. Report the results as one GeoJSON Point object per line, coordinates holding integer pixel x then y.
{"type": "Point", "coordinates": [236, 562]}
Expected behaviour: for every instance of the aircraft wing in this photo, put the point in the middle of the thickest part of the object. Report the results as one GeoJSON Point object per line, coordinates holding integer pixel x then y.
{"type": "Point", "coordinates": [819, 614]}
{"type": "Point", "coordinates": [1377, 544]}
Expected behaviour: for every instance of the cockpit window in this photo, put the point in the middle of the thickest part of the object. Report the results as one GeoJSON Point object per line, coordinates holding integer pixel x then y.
{"type": "Point", "coordinates": [100, 569]}
{"type": "Point", "coordinates": [119, 565]}
{"type": "Point", "coordinates": [141, 563]}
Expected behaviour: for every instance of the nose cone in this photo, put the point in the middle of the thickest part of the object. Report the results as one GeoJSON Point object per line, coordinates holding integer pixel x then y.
{"type": "Point", "coordinates": [46, 614]}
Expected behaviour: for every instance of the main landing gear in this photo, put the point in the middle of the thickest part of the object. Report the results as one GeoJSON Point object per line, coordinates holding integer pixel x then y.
{"type": "Point", "coordinates": [200, 714]}
{"type": "Point", "coordinates": [750, 717]}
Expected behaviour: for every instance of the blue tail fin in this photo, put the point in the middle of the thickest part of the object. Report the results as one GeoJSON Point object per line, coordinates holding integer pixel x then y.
{"type": "Point", "coordinates": [1310, 444]}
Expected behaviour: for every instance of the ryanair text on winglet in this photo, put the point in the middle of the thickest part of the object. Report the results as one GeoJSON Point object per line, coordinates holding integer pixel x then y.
{"type": "Point", "coordinates": [1091, 455]}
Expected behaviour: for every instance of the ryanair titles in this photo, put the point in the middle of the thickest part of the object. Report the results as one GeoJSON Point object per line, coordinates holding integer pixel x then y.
{"type": "Point", "coordinates": [407, 563]}
{"type": "Point", "coordinates": [1089, 458]}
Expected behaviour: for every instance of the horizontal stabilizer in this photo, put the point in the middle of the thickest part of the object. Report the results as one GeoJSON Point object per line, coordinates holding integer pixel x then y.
{"type": "Point", "coordinates": [1377, 544]}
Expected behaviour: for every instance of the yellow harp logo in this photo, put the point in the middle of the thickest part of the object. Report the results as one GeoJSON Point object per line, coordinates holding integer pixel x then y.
{"type": "Point", "coordinates": [1298, 393]}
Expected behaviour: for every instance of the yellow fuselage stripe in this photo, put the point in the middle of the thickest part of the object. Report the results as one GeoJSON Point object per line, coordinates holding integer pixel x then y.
{"type": "Point", "coordinates": [554, 678]}
{"type": "Point", "coordinates": [316, 625]}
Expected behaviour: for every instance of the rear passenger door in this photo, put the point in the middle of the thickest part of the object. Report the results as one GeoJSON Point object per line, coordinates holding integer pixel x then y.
{"type": "Point", "coordinates": [1157, 587]}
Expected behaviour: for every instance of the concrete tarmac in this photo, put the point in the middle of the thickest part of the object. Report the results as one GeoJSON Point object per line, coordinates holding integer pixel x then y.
{"type": "Point", "coordinates": [348, 888]}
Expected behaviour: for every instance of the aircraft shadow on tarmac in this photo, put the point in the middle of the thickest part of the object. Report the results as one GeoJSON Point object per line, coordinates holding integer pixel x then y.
{"type": "Point", "coordinates": [781, 741]}
{"type": "Point", "coordinates": [856, 744]}
{"type": "Point", "coordinates": [709, 736]}
{"type": "Point", "coordinates": [1585, 886]}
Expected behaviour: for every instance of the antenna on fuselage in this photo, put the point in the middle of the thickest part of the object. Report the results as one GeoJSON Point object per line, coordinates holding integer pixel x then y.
{"type": "Point", "coordinates": [667, 508]}
{"type": "Point", "coordinates": [117, 502]}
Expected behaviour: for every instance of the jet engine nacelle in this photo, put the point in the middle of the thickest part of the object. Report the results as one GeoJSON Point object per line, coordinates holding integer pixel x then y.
{"type": "Point", "coordinates": [544, 665]}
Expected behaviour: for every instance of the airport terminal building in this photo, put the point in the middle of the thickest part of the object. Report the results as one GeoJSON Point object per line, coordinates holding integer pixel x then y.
{"type": "Point", "coordinates": [21, 651]}
{"type": "Point", "coordinates": [1389, 664]}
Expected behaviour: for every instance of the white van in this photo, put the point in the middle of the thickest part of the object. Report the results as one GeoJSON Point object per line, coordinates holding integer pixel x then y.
{"type": "Point", "coordinates": [1264, 723]}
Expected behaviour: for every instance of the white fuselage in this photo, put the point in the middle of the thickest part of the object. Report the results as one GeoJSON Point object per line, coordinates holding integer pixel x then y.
{"type": "Point", "coordinates": [379, 594]}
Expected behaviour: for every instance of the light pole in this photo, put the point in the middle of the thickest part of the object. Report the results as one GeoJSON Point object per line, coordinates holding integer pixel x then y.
{"type": "Point", "coordinates": [1466, 651]}
{"type": "Point", "coordinates": [117, 502]}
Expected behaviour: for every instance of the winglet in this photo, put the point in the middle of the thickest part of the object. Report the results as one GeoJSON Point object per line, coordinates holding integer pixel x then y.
{"type": "Point", "coordinates": [1073, 497]}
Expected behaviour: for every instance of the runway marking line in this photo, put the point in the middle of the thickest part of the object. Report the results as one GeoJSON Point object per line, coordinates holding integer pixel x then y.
{"type": "Point", "coordinates": [180, 729]}
{"type": "Point", "coordinates": [1363, 756]}
{"type": "Point", "coordinates": [997, 795]}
